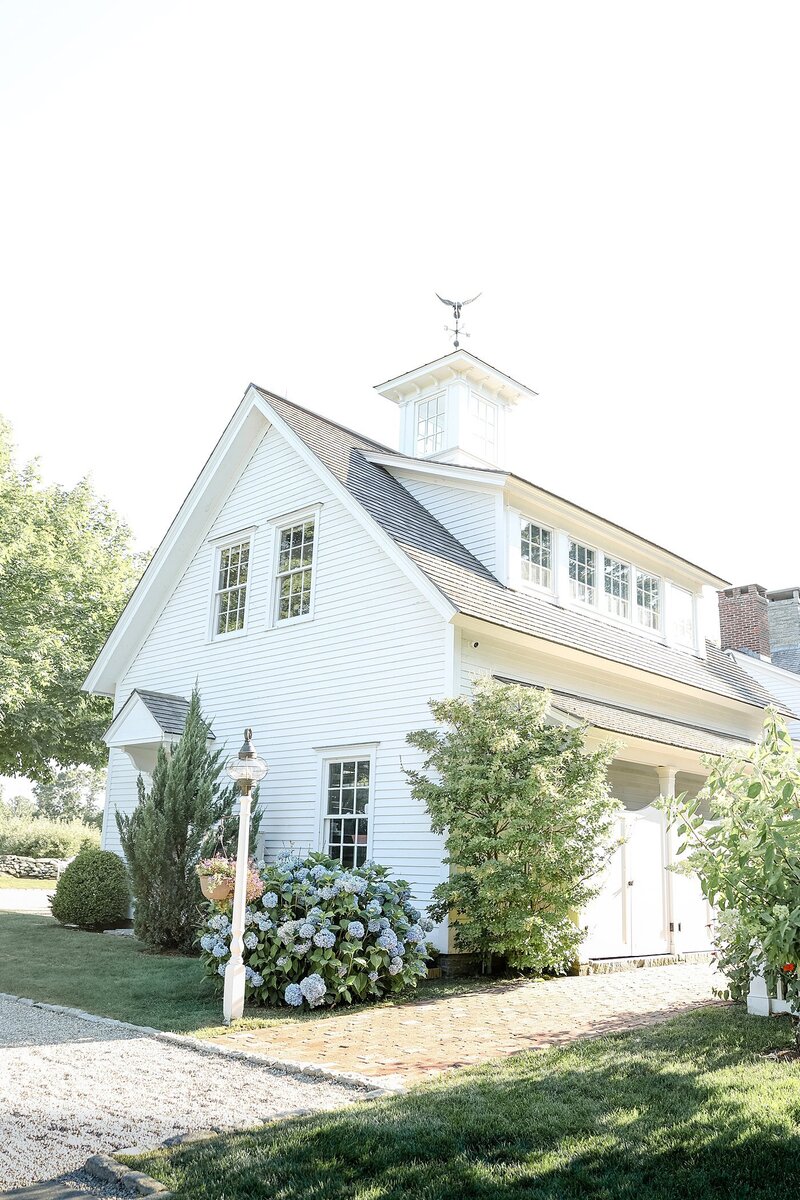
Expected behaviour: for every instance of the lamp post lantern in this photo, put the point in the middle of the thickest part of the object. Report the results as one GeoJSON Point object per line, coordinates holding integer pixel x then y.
{"type": "Point", "coordinates": [245, 769]}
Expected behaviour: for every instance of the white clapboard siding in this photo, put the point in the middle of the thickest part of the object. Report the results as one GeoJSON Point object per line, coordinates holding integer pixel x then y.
{"type": "Point", "coordinates": [470, 515]}
{"type": "Point", "coordinates": [360, 672]}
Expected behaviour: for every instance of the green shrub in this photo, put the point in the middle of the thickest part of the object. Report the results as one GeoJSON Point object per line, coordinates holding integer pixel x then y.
{"type": "Point", "coordinates": [92, 892]}
{"type": "Point", "coordinates": [527, 818]}
{"type": "Point", "coordinates": [322, 934]}
{"type": "Point", "coordinates": [36, 837]}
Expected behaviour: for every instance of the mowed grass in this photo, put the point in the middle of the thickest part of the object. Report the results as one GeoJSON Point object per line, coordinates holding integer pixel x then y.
{"type": "Point", "coordinates": [116, 977]}
{"type": "Point", "coordinates": [683, 1110]}
{"type": "Point", "coordinates": [12, 881]}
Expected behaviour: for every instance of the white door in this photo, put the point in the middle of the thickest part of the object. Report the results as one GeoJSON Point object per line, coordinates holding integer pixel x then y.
{"type": "Point", "coordinates": [629, 916]}
{"type": "Point", "coordinates": [646, 883]}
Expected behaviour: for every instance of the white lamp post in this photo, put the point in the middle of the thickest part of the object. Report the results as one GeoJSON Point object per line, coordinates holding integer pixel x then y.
{"type": "Point", "coordinates": [246, 769]}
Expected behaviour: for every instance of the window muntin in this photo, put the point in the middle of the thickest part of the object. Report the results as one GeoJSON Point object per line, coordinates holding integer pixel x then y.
{"type": "Point", "coordinates": [295, 570]}
{"type": "Point", "coordinates": [617, 588]}
{"type": "Point", "coordinates": [430, 416]}
{"type": "Point", "coordinates": [681, 616]}
{"type": "Point", "coordinates": [582, 572]}
{"type": "Point", "coordinates": [536, 554]}
{"type": "Point", "coordinates": [483, 426]}
{"type": "Point", "coordinates": [230, 597]}
{"type": "Point", "coordinates": [648, 600]}
{"type": "Point", "coordinates": [346, 822]}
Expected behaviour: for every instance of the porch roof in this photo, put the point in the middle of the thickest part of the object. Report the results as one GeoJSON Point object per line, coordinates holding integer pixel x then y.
{"type": "Point", "coordinates": [612, 718]}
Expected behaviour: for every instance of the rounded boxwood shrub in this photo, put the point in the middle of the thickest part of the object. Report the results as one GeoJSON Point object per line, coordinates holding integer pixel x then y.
{"type": "Point", "coordinates": [322, 934]}
{"type": "Point", "coordinates": [93, 892]}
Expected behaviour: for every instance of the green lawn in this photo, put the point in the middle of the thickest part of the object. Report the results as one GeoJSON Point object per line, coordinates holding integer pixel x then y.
{"type": "Point", "coordinates": [684, 1110]}
{"type": "Point", "coordinates": [114, 977]}
{"type": "Point", "coordinates": [12, 881]}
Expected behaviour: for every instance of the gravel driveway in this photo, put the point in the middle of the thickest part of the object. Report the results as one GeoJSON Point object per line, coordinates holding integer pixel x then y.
{"type": "Point", "coordinates": [70, 1088]}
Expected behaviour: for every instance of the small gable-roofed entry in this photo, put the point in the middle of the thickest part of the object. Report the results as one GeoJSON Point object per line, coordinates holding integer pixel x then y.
{"type": "Point", "coordinates": [146, 721]}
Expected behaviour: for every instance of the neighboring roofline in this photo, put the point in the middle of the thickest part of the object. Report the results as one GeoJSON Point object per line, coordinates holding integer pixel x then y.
{"type": "Point", "coordinates": [444, 361]}
{"type": "Point", "coordinates": [623, 708]}
{"type": "Point", "coordinates": [407, 462]}
{"type": "Point", "coordinates": [787, 593]}
{"type": "Point", "coordinates": [790, 676]}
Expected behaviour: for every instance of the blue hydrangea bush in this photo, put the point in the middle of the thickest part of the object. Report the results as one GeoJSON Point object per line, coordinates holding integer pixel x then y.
{"type": "Point", "coordinates": [322, 934]}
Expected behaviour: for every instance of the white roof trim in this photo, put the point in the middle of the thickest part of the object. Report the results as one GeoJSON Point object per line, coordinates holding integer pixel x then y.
{"type": "Point", "coordinates": [189, 529]}
{"type": "Point", "coordinates": [400, 465]}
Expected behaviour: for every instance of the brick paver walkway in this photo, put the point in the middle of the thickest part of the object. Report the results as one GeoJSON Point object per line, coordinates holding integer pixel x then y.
{"type": "Point", "coordinates": [407, 1043]}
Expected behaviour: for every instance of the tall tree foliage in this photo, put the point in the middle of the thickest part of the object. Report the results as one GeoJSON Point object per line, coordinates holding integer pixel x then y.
{"type": "Point", "coordinates": [66, 570]}
{"type": "Point", "coordinates": [181, 818]}
{"type": "Point", "coordinates": [527, 818]}
{"type": "Point", "coordinates": [73, 794]}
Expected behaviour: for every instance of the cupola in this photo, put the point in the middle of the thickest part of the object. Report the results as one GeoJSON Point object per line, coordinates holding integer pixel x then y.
{"type": "Point", "coordinates": [456, 409]}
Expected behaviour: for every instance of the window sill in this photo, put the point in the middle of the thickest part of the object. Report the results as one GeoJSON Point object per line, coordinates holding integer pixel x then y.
{"type": "Point", "coordinates": [290, 622]}
{"type": "Point", "coordinates": [228, 637]}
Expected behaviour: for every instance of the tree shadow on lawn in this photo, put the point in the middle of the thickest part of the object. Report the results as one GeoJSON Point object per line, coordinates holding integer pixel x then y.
{"type": "Point", "coordinates": [689, 1109]}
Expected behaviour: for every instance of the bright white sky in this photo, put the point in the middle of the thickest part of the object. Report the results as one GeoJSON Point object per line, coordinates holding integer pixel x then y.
{"type": "Point", "coordinates": [197, 195]}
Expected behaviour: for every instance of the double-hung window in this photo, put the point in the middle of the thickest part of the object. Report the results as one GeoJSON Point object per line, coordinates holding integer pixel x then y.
{"type": "Point", "coordinates": [648, 600]}
{"type": "Point", "coordinates": [295, 573]}
{"type": "Point", "coordinates": [536, 554]}
{"type": "Point", "coordinates": [430, 416]}
{"type": "Point", "coordinates": [617, 587]}
{"type": "Point", "coordinates": [230, 593]}
{"type": "Point", "coordinates": [348, 789]}
{"type": "Point", "coordinates": [582, 573]}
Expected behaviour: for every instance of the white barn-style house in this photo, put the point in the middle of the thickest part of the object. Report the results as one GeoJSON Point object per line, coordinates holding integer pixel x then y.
{"type": "Point", "coordinates": [322, 588]}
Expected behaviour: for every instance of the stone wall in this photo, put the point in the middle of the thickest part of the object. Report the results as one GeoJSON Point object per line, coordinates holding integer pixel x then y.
{"type": "Point", "coordinates": [31, 868]}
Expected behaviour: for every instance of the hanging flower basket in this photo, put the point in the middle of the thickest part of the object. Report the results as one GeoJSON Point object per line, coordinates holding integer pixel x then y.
{"type": "Point", "coordinates": [217, 878]}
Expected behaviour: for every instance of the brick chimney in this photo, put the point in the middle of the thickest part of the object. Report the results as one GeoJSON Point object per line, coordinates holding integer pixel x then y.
{"type": "Point", "coordinates": [784, 627]}
{"type": "Point", "coordinates": [744, 619]}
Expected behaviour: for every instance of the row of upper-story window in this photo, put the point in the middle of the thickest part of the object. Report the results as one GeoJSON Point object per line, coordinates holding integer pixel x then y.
{"type": "Point", "coordinates": [612, 586]}
{"type": "Point", "coordinates": [292, 590]}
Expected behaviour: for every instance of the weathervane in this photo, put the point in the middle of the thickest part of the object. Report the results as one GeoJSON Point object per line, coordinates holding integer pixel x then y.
{"type": "Point", "coordinates": [456, 306]}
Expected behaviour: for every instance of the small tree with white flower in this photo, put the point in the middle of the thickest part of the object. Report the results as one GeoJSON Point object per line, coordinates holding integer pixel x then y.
{"type": "Point", "coordinates": [528, 822]}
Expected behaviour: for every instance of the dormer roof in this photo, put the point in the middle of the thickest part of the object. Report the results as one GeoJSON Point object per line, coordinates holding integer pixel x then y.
{"type": "Point", "coordinates": [458, 364]}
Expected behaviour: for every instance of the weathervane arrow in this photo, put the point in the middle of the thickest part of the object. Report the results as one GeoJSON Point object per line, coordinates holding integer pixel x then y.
{"type": "Point", "coordinates": [456, 306]}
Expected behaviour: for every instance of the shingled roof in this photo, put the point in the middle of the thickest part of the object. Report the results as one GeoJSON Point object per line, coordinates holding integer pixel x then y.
{"type": "Point", "coordinates": [613, 718]}
{"type": "Point", "coordinates": [471, 587]}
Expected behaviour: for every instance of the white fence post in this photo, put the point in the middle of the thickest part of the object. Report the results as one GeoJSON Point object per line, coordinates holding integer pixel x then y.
{"type": "Point", "coordinates": [758, 1004]}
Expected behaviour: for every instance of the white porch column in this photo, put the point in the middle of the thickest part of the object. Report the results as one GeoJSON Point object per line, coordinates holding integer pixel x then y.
{"type": "Point", "coordinates": [666, 783]}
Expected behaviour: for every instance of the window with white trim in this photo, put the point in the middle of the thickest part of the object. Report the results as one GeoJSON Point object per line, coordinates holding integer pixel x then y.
{"type": "Point", "coordinates": [681, 616]}
{"type": "Point", "coordinates": [617, 588]}
{"type": "Point", "coordinates": [536, 554]}
{"type": "Point", "coordinates": [648, 600]}
{"type": "Point", "coordinates": [430, 415]}
{"type": "Point", "coordinates": [348, 790]}
{"type": "Point", "coordinates": [582, 572]}
{"type": "Point", "coordinates": [483, 426]}
{"type": "Point", "coordinates": [296, 545]}
{"type": "Point", "coordinates": [230, 594]}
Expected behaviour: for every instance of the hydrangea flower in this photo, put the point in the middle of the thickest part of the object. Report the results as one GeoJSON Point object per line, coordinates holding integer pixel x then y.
{"type": "Point", "coordinates": [374, 925]}
{"type": "Point", "coordinates": [387, 941]}
{"type": "Point", "coordinates": [256, 980]}
{"type": "Point", "coordinates": [282, 962]}
{"type": "Point", "coordinates": [325, 939]}
{"type": "Point", "coordinates": [426, 924]}
{"type": "Point", "coordinates": [293, 995]}
{"type": "Point", "coordinates": [374, 908]}
{"type": "Point", "coordinates": [306, 930]}
{"type": "Point", "coordinates": [373, 976]}
{"type": "Point", "coordinates": [221, 969]}
{"type": "Point", "coordinates": [355, 930]}
{"type": "Point", "coordinates": [395, 966]}
{"type": "Point", "coordinates": [219, 949]}
{"type": "Point", "coordinates": [207, 941]}
{"type": "Point", "coordinates": [269, 899]}
{"type": "Point", "coordinates": [415, 934]}
{"type": "Point", "coordinates": [251, 940]}
{"type": "Point", "coordinates": [313, 988]}
{"type": "Point", "coordinates": [302, 948]}
{"type": "Point", "coordinates": [318, 871]}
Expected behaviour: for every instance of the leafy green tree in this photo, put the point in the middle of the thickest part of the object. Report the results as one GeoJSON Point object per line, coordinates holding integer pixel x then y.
{"type": "Point", "coordinates": [741, 836]}
{"type": "Point", "coordinates": [180, 819]}
{"type": "Point", "coordinates": [528, 823]}
{"type": "Point", "coordinates": [66, 570]}
{"type": "Point", "coordinates": [73, 794]}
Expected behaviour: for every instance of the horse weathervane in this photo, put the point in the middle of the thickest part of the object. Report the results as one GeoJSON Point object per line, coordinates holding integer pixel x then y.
{"type": "Point", "coordinates": [456, 306]}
